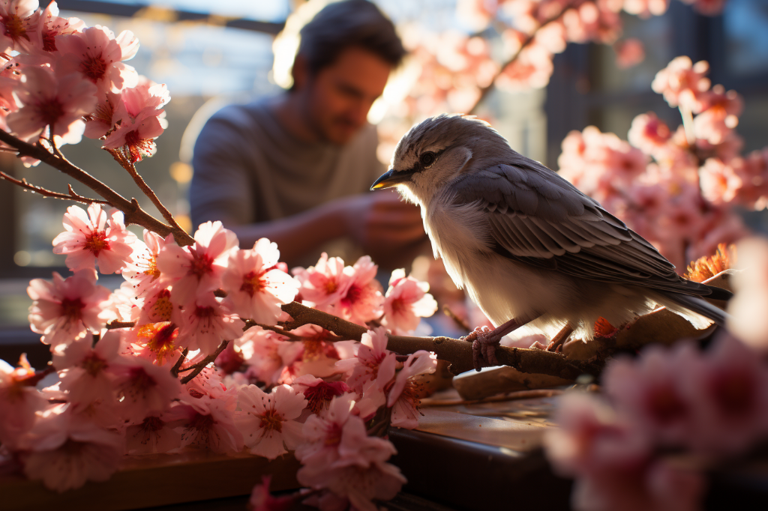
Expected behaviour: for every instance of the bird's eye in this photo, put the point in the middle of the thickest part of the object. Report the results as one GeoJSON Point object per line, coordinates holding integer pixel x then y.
{"type": "Point", "coordinates": [427, 159]}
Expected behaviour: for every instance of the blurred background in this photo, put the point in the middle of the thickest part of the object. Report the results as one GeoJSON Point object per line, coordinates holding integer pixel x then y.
{"type": "Point", "coordinates": [213, 53]}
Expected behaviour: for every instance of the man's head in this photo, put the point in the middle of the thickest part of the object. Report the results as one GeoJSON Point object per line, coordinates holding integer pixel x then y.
{"type": "Point", "coordinates": [345, 56]}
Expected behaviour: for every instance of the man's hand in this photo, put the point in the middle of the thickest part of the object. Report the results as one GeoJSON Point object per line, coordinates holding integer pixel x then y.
{"type": "Point", "coordinates": [389, 230]}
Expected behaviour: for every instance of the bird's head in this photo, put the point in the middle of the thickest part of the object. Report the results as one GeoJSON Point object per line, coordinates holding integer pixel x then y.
{"type": "Point", "coordinates": [438, 150]}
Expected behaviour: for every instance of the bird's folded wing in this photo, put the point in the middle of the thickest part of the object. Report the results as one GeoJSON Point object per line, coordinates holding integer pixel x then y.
{"type": "Point", "coordinates": [536, 217]}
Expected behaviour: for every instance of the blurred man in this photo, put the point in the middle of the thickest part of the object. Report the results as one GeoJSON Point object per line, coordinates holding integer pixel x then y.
{"type": "Point", "coordinates": [295, 168]}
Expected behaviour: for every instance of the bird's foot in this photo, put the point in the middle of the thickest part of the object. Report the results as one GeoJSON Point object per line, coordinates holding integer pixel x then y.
{"type": "Point", "coordinates": [484, 341]}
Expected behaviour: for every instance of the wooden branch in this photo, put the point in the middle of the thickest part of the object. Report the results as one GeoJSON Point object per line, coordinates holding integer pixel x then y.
{"type": "Point", "coordinates": [144, 187]}
{"type": "Point", "coordinates": [177, 366]}
{"type": "Point", "coordinates": [134, 214]}
{"type": "Point", "coordinates": [455, 351]}
{"type": "Point", "coordinates": [201, 365]}
{"type": "Point", "coordinates": [44, 192]}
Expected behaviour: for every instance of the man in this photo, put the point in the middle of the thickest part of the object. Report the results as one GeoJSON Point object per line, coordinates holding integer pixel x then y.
{"type": "Point", "coordinates": [294, 168]}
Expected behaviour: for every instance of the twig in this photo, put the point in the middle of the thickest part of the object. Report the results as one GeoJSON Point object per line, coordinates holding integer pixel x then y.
{"type": "Point", "coordinates": [134, 214]}
{"type": "Point", "coordinates": [455, 351]}
{"type": "Point", "coordinates": [131, 169]}
{"type": "Point", "coordinates": [460, 322]}
{"type": "Point", "coordinates": [201, 365]}
{"type": "Point", "coordinates": [72, 195]}
{"type": "Point", "coordinates": [113, 325]}
{"type": "Point", "coordinates": [177, 366]}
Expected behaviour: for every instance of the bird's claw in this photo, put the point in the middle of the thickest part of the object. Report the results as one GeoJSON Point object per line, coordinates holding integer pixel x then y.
{"type": "Point", "coordinates": [484, 342]}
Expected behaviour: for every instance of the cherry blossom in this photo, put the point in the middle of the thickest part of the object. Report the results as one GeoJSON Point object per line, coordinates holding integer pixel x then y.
{"type": "Point", "coordinates": [268, 355]}
{"type": "Point", "coordinates": [262, 500]}
{"type": "Point", "coordinates": [683, 83]}
{"type": "Point", "coordinates": [373, 362]}
{"type": "Point", "coordinates": [138, 120]}
{"type": "Point", "coordinates": [719, 115]}
{"type": "Point", "coordinates": [65, 310]}
{"type": "Point", "coordinates": [198, 269]}
{"type": "Point", "coordinates": [208, 423]}
{"type": "Point", "coordinates": [255, 289]}
{"type": "Point", "coordinates": [54, 100]}
{"type": "Point", "coordinates": [151, 435]}
{"type": "Point", "coordinates": [362, 300]}
{"type": "Point", "coordinates": [65, 451]}
{"type": "Point", "coordinates": [17, 19]}
{"type": "Point", "coordinates": [86, 372]}
{"type": "Point", "coordinates": [18, 401]}
{"type": "Point", "coordinates": [403, 396]}
{"type": "Point", "coordinates": [747, 319]}
{"type": "Point", "coordinates": [648, 133]}
{"type": "Point", "coordinates": [323, 285]}
{"type": "Point", "coordinates": [158, 340]}
{"type": "Point", "coordinates": [319, 353]}
{"type": "Point", "coordinates": [269, 424]}
{"type": "Point", "coordinates": [51, 25]}
{"type": "Point", "coordinates": [87, 240]}
{"type": "Point", "coordinates": [406, 301]}
{"type": "Point", "coordinates": [206, 323]}
{"type": "Point", "coordinates": [96, 54]}
{"type": "Point", "coordinates": [142, 271]}
{"type": "Point", "coordinates": [318, 392]}
{"type": "Point", "coordinates": [143, 388]}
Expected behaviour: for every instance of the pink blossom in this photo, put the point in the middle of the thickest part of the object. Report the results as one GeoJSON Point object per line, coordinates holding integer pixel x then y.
{"type": "Point", "coordinates": [156, 341]}
{"type": "Point", "coordinates": [269, 424]}
{"type": "Point", "coordinates": [86, 372]}
{"type": "Point", "coordinates": [403, 397]}
{"type": "Point", "coordinates": [373, 362]}
{"type": "Point", "coordinates": [268, 354]}
{"type": "Point", "coordinates": [96, 54]}
{"type": "Point", "coordinates": [19, 400]}
{"type": "Point", "coordinates": [65, 310]}
{"type": "Point", "coordinates": [748, 320]}
{"type": "Point", "coordinates": [319, 353]}
{"type": "Point", "coordinates": [143, 388]}
{"type": "Point", "coordinates": [51, 25]}
{"type": "Point", "coordinates": [325, 283]}
{"type": "Point", "coordinates": [731, 388]}
{"type": "Point", "coordinates": [17, 20]}
{"type": "Point", "coordinates": [138, 120]}
{"type": "Point", "coordinates": [721, 225]}
{"type": "Point", "coordinates": [206, 323]}
{"type": "Point", "coordinates": [629, 52]}
{"type": "Point", "coordinates": [142, 271]}
{"type": "Point", "coordinates": [406, 301]}
{"type": "Point", "coordinates": [255, 289]}
{"type": "Point", "coordinates": [649, 391]}
{"type": "Point", "coordinates": [720, 184]}
{"type": "Point", "coordinates": [683, 83]}
{"type": "Point", "coordinates": [318, 392]}
{"type": "Point", "coordinates": [151, 435]}
{"type": "Point", "coordinates": [65, 451]}
{"type": "Point", "coordinates": [159, 307]}
{"type": "Point", "coordinates": [339, 456]}
{"type": "Point", "coordinates": [719, 115]}
{"type": "Point", "coordinates": [52, 99]}
{"type": "Point", "coordinates": [753, 170]}
{"type": "Point", "coordinates": [648, 133]}
{"type": "Point", "coordinates": [532, 69]}
{"type": "Point", "coordinates": [646, 8]}
{"type": "Point", "coordinates": [362, 301]}
{"type": "Point", "coordinates": [197, 269]}
{"type": "Point", "coordinates": [86, 240]}
{"type": "Point", "coordinates": [262, 500]}
{"type": "Point", "coordinates": [208, 423]}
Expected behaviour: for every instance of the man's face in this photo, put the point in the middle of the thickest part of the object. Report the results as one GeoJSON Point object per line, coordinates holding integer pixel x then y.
{"type": "Point", "coordinates": [339, 96]}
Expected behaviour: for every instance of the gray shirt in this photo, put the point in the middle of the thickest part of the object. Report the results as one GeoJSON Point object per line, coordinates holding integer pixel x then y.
{"type": "Point", "coordinates": [248, 169]}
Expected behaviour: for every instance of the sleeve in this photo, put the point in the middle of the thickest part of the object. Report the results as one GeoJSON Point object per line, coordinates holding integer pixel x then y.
{"type": "Point", "coordinates": [221, 187]}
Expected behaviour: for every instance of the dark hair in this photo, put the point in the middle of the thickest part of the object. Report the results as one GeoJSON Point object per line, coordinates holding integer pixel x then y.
{"type": "Point", "coordinates": [340, 25]}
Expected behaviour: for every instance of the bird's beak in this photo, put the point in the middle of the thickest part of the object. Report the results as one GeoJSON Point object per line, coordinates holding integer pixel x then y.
{"type": "Point", "coordinates": [390, 178]}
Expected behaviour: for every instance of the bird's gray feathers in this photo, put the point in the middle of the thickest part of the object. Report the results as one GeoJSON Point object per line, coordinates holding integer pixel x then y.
{"type": "Point", "coordinates": [538, 218]}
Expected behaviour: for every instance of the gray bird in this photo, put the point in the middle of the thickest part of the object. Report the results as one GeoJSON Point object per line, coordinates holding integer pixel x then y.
{"type": "Point", "coordinates": [531, 249]}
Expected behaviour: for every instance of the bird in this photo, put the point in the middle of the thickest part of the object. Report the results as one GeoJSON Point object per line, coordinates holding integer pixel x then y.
{"type": "Point", "coordinates": [531, 250]}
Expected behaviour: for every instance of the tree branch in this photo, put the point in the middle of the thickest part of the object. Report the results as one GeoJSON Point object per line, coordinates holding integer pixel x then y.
{"type": "Point", "coordinates": [134, 214]}
{"type": "Point", "coordinates": [44, 192]}
{"type": "Point", "coordinates": [455, 351]}
{"type": "Point", "coordinates": [201, 365]}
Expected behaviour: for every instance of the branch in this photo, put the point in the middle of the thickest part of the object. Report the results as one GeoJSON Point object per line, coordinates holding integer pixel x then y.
{"type": "Point", "coordinates": [177, 366]}
{"type": "Point", "coordinates": [455, 351]}
{"type": "Point", "coordinates": [201, 365]}
{"type": "Point", "coordinates": [131, 169]}
{"type": "Point", "coordinates": [72, 195]}
{"type": "Point", "coordinates": [134, 214]}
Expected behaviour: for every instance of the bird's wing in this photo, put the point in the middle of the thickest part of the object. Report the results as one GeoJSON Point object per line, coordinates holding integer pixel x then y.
{"type": "Point", "coordinates": [536, 217]}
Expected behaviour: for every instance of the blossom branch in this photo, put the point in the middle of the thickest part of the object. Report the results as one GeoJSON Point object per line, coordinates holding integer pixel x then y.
{"type": "Point", "coordinates": [197, 368]}
{"type": "Point", "coordinates": [44, 192]}
{"type": "Point", "coordinates": [455, 351]}
{"type": "Point", "coordinates": [177, 366]}
{"type": "Point", "coordinates": [131, 169]}
{"type": "Point", "coordinates": [134, 214]}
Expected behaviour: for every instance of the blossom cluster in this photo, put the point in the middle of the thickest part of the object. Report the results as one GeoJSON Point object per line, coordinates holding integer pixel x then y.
{"type": "Point", "coordinates": [60, 80]}
{"type": "Point", "coordinates": [135, 371]}
{"type": "Point", "coordinates": [676, 188]}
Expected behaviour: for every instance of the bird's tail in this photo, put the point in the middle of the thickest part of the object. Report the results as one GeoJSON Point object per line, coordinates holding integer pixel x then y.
{"type": "Point", "coordinates": [699, 306]}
